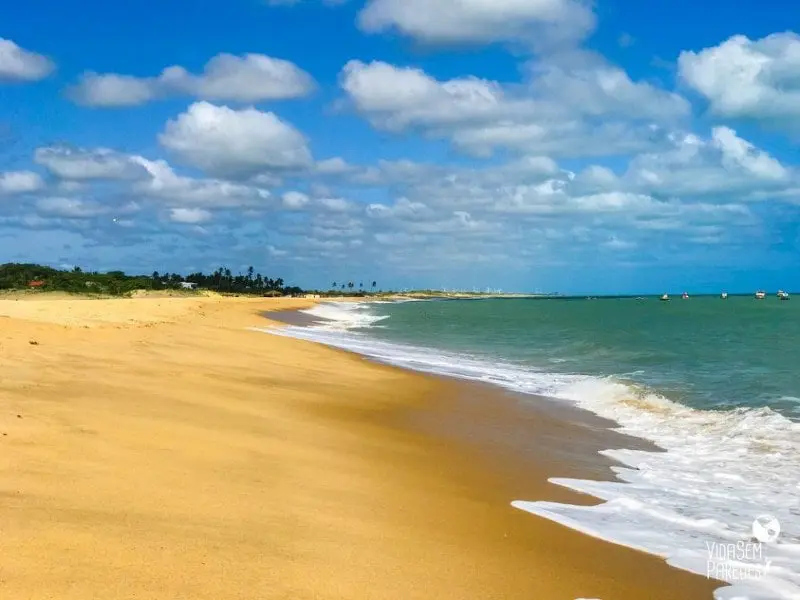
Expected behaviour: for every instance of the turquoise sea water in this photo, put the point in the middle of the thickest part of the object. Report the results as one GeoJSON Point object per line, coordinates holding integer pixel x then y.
{"type": "Point", "coordinates": [715, 383]}
{"type": "Point", "coordinates": [703, 352]}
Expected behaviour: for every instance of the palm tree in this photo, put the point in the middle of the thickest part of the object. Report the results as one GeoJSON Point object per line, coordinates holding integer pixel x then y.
{"type": "Point", "coordinates": [333, 285]}
{"type": "Point", "coordinates": [374, 283]}
{"type": "Point", "coordinates": [350, 284]}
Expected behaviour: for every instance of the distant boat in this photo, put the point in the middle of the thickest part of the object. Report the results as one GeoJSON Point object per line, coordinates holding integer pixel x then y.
{"type": "Point", "coordinates": [724, 295]}
{"type": "Point", "coordinates": [665, 298]}
{"type": "Point", "coordinates": [783, 295]}
{"type": "Point", "coordinates": [760, 295]}
{"type": "Point", "coordinates": [685, 296]}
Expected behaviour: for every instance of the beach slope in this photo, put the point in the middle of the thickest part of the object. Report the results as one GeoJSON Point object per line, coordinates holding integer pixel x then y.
{"type": "Point", "coordinates": [157, 448]}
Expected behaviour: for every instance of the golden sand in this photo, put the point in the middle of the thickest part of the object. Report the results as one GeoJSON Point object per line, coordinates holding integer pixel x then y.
{"type": "Point", "coordinates": [155, 448]}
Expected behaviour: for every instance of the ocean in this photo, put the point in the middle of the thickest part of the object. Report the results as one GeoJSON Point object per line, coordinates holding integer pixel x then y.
{"type": "Point", "coordinates": [715, 383]}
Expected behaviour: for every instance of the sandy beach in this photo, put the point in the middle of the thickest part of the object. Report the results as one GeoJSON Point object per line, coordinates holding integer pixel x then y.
{"type": "Point", "coordinates": [157, 448]}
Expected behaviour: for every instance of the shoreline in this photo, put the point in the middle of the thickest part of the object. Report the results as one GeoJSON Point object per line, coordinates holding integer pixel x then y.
{"type": "Point", "coordinates": [164, 450]}
{"type": "Point", "coordinates": [570, 442]}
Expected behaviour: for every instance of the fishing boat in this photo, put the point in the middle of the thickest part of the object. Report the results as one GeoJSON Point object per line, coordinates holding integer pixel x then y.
{"type": "Point", "coordinates": [724, 295]}
{"type": "Point", "coordinates": [783, 295]}
{"type": "Point", "coordinates": [685, 296]}
{"type": "Point", "coordinates": [760, 295]}
{"type": "Point", "coordinates": [665, 298]}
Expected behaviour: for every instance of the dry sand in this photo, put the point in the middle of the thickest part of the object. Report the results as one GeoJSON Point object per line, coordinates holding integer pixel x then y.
{"type": "Point", "coordinates": [157, 449]}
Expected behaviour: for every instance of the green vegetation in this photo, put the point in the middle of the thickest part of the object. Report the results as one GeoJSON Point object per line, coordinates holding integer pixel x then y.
{"type": "Point", "coordinates": [16, 276]}
{"type": "Point", "coordinates": [351, 288]}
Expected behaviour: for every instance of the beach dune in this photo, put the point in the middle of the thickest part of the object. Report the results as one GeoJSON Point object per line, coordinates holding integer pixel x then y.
{"type": "Point", "coordinates": [157, 448]}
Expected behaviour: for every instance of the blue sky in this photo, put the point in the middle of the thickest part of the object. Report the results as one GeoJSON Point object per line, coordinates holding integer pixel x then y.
{"type": "Point", "coordinates": [547, 144]}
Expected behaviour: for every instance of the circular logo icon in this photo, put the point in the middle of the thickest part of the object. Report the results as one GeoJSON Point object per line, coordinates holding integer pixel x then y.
{"type": "Point", "coordinates": [766, 529]}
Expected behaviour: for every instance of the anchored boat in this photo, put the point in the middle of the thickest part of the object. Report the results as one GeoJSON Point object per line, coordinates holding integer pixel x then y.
{"type": "Point", "coordinates": [760, 295]}
{"type": "Point", "coordinates": [724, 295]}
{"type": "Point", "coordinates": [665, 298]}
{"type": "Point", "coordinates": [783, 295]}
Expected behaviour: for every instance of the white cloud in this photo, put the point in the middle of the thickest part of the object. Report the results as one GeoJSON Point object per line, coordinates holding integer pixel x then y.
{"type": "Point", "coordinates": [186, 192]}
{"type": "Point", "coordinates": [403, 208]}
{"type": "Point", "coordinates": [480, 21]}
{"type": "Point", "coordinates": [20, 182]}
{"type": "Point", "coordinates": [191, 216]}
{"type": "Point", "coordinates": [333, 166]}
{"type": "Point", "coordinates": [573, 104]}
{"type": "Point", "coordinates": [337, 205]}
{"type": "Point", "coordinates": [723, 164]}
{"type": "Point", "coordinates": [69, 208]}
{"type": "Point", "coordinates": [273, 251]}
{"type": "Point", "coordinates": [111, 90]}
{"type": "Point", "coordinates": [80, 164]}
{"type": "Point", "coordinates": [756, 79]}
{"type": "Point", "coordinates": [247, 78]}
{"type": "Point", "coordinates": [395, 98]}
{"type": "Point", "coordinates": [18, 64]}
{"type": "Point", "coordinates": [741, 154]}
{"type": "Point", "coordinates": [413, 216]}
{"type": "Point", "coordinates": [508, 210]}
{"type": "Point", "coordinates": [235, 143]}
{"type": "Point", "coordinates": [295, 200]}
{"type": "Point", "coordinates": [588, 84]}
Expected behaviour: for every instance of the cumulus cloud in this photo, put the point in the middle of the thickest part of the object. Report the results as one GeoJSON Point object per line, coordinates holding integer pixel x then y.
{"type": "Point", "coordinates": [18, 64]}
{"type": "Point", "coordinates": [80, 164]}
{"type": "Point", "coordinates": [510, 210]}
{"type": "Point", "coordinates": [70, 208]}
{"type": "Point", "coordinates": [295, 200]}
{"type": "Point", "coordinates": [402, 208]}
{"type": "Point", "coordinates": [723, 164]}
{"type": "Point", "coordinates": [744, 78]}
{"type": "Point", "coordinates": [573, 104]}
{"type": "Point", "coordinates": [480, 21]}
{"type": "Point", "coordinates": [336, 205]}
{"type": "Point", "coordinates": [235, 143]}
{"type": "Point", "coordinates": [20, 182]}
{"type": "Point", "coordinates": [247, 78]}
{"type": "Point", "coordinates": [333, 166]}
{"type": "Point", "coordinates": [191, 216]}
{"type": "Point", "coordinates": [165, 185]}
{"type": "Point", "coordinates": [112, 90]}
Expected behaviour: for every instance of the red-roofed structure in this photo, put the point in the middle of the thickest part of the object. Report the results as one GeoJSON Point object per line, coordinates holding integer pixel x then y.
{"type": "Point", "coordinates": [36, 283]}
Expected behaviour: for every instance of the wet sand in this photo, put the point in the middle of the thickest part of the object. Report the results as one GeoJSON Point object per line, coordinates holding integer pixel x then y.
{"type": "Point", "coordinates": [157, 448]}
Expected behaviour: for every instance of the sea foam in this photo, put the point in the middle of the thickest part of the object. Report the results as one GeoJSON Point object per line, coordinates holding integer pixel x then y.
{"type": "Point", "coordinates": [719, 471]}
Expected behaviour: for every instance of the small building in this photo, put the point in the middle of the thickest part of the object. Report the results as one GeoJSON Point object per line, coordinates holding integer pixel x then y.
{"type": "Point", "coordinates": [311, 295]}
{"type": "Point", "coordinates": [36, 283]}
{"type": "Point", "coordinates": [188, 285]}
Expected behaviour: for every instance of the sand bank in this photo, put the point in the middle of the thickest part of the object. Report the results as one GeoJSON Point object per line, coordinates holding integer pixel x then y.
{"type": "Point", "coordinates": [156, 448]}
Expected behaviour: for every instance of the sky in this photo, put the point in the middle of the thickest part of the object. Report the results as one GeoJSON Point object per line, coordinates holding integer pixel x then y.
{"type": "Point", "coordinates": [552, 145]}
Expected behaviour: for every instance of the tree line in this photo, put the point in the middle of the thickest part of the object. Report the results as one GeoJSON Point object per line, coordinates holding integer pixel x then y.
{"type": "Point", "coordinates": [29, 275]}
{"type": "Point", "coordinates": [350, 285]}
